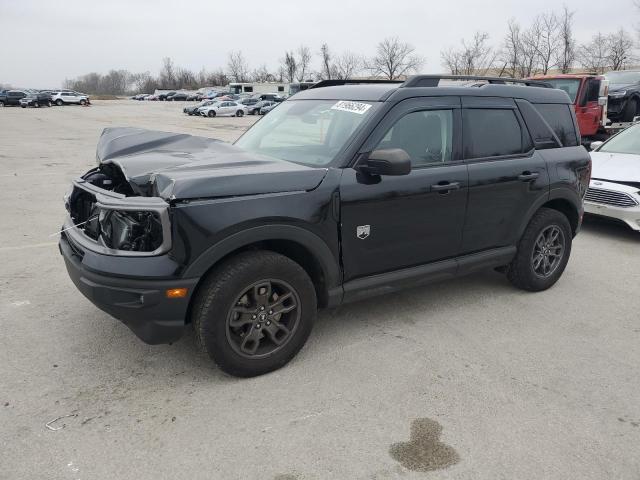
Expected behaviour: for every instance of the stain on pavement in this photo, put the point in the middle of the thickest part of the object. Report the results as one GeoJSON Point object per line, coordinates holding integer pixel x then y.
{"type": "Point", "coordinates": [424, 452]}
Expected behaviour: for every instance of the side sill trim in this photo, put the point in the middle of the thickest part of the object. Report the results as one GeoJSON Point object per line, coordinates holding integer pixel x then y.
{"type": "Point", "coordinates": [379, 284]}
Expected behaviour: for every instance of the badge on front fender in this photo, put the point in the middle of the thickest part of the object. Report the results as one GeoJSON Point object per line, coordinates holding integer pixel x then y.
{"type": "Point", "coordinates": [363, 231]}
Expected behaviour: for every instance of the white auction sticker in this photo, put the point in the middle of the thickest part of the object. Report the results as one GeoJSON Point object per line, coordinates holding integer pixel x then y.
{"type": "Point", "coordinates": [353, 107]}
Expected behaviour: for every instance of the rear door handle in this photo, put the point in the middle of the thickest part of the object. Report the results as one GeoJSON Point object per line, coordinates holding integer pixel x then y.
{"type": "Point", "coordinates": [445, 187]}
{"type": "Point", "coordinates": [527, 176]}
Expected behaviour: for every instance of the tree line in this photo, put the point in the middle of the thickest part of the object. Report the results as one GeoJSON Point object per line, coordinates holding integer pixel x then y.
{"type": "Point", "coordinates": [545, 44]}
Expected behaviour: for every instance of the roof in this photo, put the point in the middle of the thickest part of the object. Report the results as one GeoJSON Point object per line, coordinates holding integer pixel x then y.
{"type": "Point", "coordinates": [396, 92]}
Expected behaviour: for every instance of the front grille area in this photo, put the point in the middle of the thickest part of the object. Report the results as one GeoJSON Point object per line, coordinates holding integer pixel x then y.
{"type": "Point", "coordinates": [610, 197]}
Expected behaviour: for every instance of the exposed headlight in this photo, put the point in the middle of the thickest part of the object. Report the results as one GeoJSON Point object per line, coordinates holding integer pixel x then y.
{"type": "Point", "coordinates": [138, 231]}
{"type": "Point", "coordinates": [618, 94]}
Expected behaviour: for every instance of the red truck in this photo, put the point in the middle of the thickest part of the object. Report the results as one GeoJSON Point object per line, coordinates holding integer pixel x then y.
{"type": "Point", "coordinates": [588, 92]}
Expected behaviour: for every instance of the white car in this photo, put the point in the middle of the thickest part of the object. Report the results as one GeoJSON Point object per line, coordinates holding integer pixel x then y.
{"type": "Point", "coordinates": [65, 97]}
{"type": "Point", "coordinates": [614, 190]}
{"type": "Point", "coordinates": [221, 109]}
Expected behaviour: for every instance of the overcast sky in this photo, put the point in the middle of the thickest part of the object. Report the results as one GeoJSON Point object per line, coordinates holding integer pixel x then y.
{"type": "Point", "coordinates": [44, 42]}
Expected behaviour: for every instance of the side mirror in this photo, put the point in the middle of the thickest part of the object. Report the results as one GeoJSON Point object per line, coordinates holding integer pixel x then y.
{"type": "Point", "coordinates": [389, 161]}
{"type": "Point", "coordinates": [595, 145]}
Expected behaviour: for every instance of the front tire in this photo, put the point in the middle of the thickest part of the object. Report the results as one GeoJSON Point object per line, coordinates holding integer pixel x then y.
{"type": "Point", "coordinates": [239, 113]}
{"type": "Point", "coordinates": [254, 313]}
{"type": "Point", "coordinates": [543, 251]}
{"type": "Point", "coordinates": [83, 102]}
{"type": "Point", "coordinates": [211, 114]}
{"type": "Point", "coordinates": [59, 102]}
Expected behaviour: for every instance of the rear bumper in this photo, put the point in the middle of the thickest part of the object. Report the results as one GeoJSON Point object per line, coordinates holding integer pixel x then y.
{"type": "Point", "coordinates": [138, 302]}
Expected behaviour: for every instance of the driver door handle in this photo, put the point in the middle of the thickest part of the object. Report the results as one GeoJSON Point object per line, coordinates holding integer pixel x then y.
{"type": "Point", "coordinates": [445, 187]}
{"type": "Point", "coordinates": [527, 176]}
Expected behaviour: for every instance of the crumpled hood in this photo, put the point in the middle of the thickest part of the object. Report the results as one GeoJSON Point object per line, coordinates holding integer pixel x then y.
{"type": "Point", "coordinates": [179, 166]}
{"type": "Point", "coordinates": [616, 167]}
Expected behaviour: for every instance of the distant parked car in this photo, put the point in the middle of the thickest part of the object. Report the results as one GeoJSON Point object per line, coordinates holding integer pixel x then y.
{"type": "Point", "coordinates": [255, 109]}
{"type": "Point", "coordinates": [194, 96]}
{"type": "Point", "coordinates": [195, 109]}
{"type": "Point", "coordinates": [177, 96]}
{"type": "Point", "coordinates": [36, 99]}
{"type": "Point", "coordinates": [223, 109]}
{"type": "Point", "coordinates": [267, 108]}
{"type": "Point", "coordinates": [66, 97]}
{"type": "Point", "coordinates": [248, 102]}
{"type": "Point", "coordinates": [624, 95]}
{"type": "Point", "coordinates": [615, 178]}
{"type": "Point", "coordinates": [11, 97]}
{"type": "Point", "coordinates": [274, 97]}
{"type": "Point", "coordinates": [163, 96]}
{"type": "Point", "coordinates": [140, 96]}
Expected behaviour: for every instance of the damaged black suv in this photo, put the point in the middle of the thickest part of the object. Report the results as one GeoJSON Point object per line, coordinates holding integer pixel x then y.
{"type": "Point", "coordinates": [342, 192]}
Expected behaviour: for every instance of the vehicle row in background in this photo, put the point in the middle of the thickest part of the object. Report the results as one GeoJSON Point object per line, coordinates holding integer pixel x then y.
{"type": "Point", "coordinates": [40, 98]}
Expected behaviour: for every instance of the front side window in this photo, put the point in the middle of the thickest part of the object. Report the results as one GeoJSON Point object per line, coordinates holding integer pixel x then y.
{"type": "Point", "coordinates": [310, 132]}
{"type": "Point", "coordinates": [491, 133]}
{"type": "Point", "coordinates": [426, 136]}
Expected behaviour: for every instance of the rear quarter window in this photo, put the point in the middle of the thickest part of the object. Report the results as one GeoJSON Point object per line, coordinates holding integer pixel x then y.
{"type": "Point", "coordinates": [559, 118]}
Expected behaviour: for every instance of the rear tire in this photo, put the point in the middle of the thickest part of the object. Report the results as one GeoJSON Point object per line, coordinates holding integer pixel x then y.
{"type": "Point", "coordinates": [543, 251]}
{"type": "Point", "coordinates": [48, 103]}
{"type": "Point", "coordinates": [630, 110]}
{"type": "Point", "coordinates": [235, 312]}
{"type": "Point", "coordinates": [59, 102]}
{"type": "Point", "coordinates": [239, 113]}
{"type": "Point", "coordinates": [1, 104]}
{"type": "Point", "coordinates": [211, 113]}
{"type": "Point", "coordinates": [36, 104]}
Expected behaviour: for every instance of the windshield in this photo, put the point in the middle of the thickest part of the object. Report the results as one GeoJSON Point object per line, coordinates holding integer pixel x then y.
{"type": "Point", "coordinates": [310, 132]}
{"type": "Point", "coordinates": [569, 85]}
{"type": "Point", "coordinates": [627, 141]}
{"type": "Point", "coordinates": [623, 77]}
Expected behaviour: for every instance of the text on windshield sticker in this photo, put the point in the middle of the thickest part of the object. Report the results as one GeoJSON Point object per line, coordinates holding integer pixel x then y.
{"type": "Point", "coordinates": [353, 107]}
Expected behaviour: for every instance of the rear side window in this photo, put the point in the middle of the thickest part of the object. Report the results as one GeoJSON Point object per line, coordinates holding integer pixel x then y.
{"type": "Point", "coordinates": [491, 133]}
{"type": "Point", "coordinates": [559, 118]}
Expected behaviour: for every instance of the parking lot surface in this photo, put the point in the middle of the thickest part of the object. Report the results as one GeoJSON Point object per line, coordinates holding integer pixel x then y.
{"type": "Point", "coordinates": [467, 379]}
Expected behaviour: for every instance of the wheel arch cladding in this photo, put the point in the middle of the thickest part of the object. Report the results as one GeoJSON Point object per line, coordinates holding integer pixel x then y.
{"type": "Point", "coordinates": [567, 208]}
{"type": "Point", "coordinates": [298, 244]}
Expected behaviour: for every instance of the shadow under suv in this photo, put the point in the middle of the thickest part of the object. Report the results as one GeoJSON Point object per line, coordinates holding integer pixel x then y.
{"type": "Point", "coordinates": [341, 193]}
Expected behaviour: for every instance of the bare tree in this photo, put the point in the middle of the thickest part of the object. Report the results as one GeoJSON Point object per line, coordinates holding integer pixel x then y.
{"type": "Point", "coordinates": [237, 67]}
{"type": "Point", "coordinates": [473, 58]}
{"type": "Point", "coordinates": [347, 65]}
{"type": "Point", "coordinates": [593, 55]}
{"type": "Point", "coordinates": [566, 55]}
{"type": "Point", "coordinates": [303, 62]}
{"type": "Point", "coordinates": [167, 73]}
{"type": "Point", "coordinates": [530, 43]}
{"type": "Point", "coordinates": [289, 66]}
{"type": "Point", "coordinates": [546, 28]}
{"type": "Point", "coordinates": [394, 59]}
{"type": "Point", "coordinates": [262, 74]}
{"type": "Point", "coordinates": [327, 68]}
{"type": "Point", "coordinates": [619, 50]}
{"type": "Point", "coordinates": [512, 50]}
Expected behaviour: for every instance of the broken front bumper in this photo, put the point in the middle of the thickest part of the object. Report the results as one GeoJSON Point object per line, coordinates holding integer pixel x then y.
{"type": "Point", "coordinates": [139, 301]}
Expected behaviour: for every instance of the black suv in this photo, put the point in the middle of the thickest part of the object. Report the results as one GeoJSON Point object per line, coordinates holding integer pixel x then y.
{"type": "Point", "coordinates": [340, 193]}
{"type": "Point", "coordinates": [624, 95]}
{"type": "Point", "coordinates": [11, 97]}
{"type": "Point", "coordinates": [36, 99]}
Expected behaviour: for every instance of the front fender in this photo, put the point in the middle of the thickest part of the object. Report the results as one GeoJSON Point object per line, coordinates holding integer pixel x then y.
{"type": "Point", "coordinates": [305, 238]}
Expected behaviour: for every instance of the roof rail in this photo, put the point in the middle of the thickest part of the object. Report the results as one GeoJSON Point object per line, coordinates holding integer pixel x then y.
{"type": "Point", "coordinates": [434, 80]}
{"type": "Point", "coordinates": [333, 83]}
